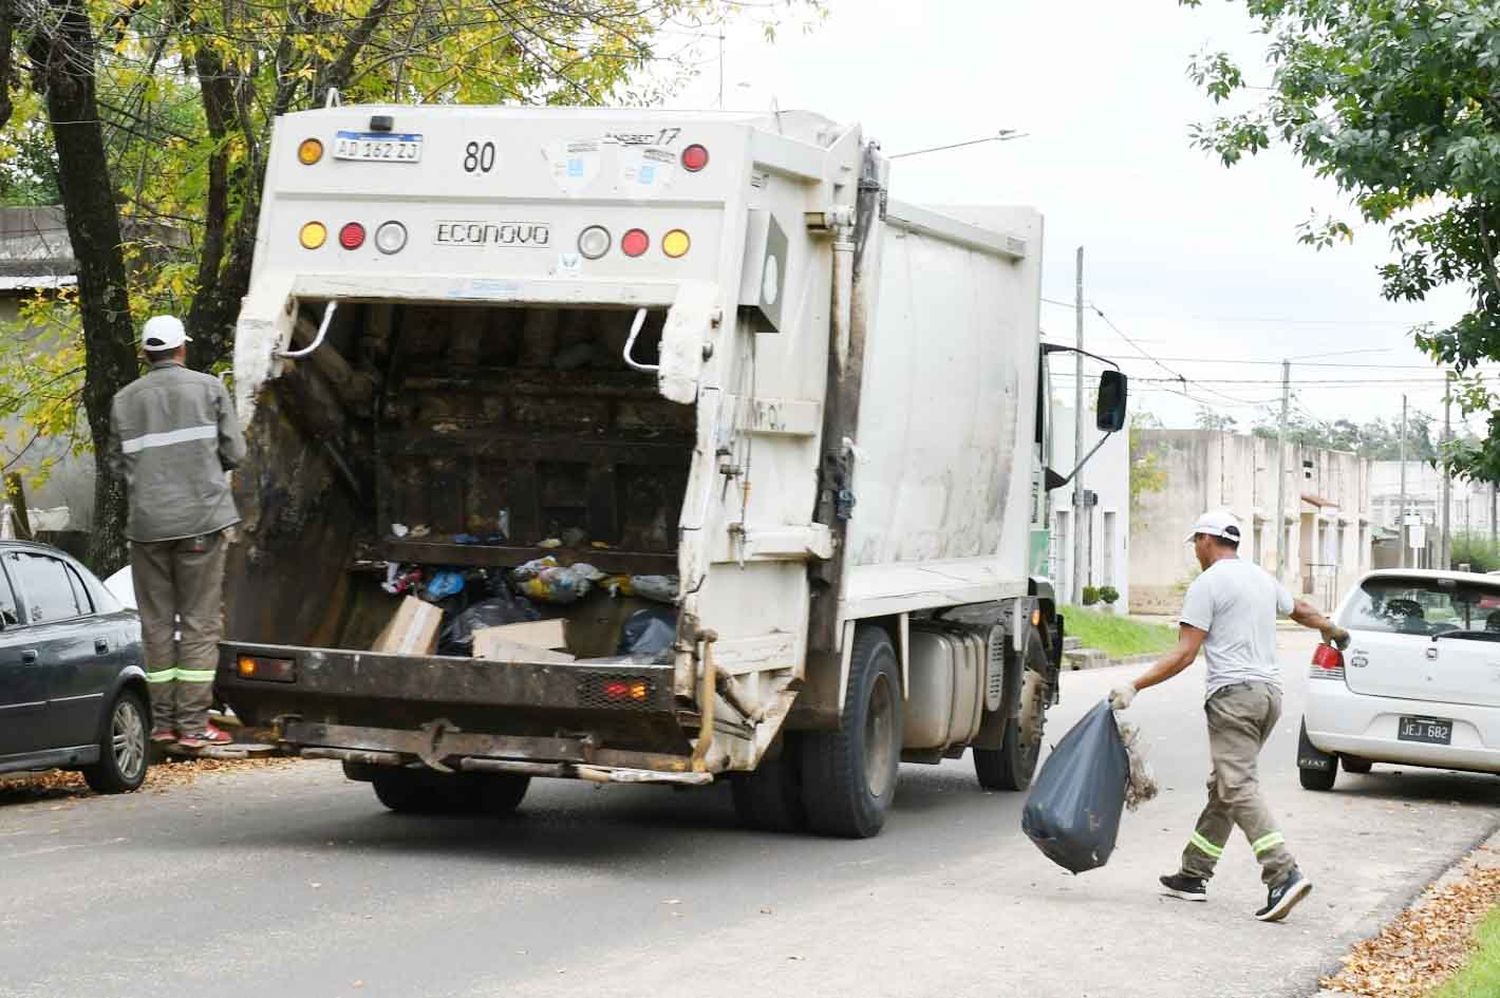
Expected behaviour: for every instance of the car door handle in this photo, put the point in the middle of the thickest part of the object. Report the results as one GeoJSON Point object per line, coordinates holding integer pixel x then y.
{"type": "Point", "coordinates": [101, 646]}
{"type": "Point", "coordinates": [29, 657]}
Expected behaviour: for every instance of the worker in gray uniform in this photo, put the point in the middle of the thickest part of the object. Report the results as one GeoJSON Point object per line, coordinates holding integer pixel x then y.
{"type": "Point", "coordinates": [175, 437]}
{"type": "Point", "coordinates": [1230, 613]}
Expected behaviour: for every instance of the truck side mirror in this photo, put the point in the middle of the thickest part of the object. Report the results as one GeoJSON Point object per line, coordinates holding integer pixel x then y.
{"type": "Point", "coordinates": [1109, 412]}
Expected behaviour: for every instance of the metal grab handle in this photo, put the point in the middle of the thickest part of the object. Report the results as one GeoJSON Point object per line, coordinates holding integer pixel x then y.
{"type": "Point", "coordinates": [635, 330]}
{"type": "Point", "coordinates": [328, 311]}
{"type": "Point", "coordinates": [29, 657]}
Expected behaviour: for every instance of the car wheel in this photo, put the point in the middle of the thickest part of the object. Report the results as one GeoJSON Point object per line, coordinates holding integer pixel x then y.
{"type": "Point", "coordinates": [849, 775]}
{"type": "Point", "coordinates": [122, 747]}
{"type": "Point", "coordinates": [770, 797]}
{"type": "Point", "coordinates": [1317, 779]}
{"type": "Point", "coordinates": [1354, 764]}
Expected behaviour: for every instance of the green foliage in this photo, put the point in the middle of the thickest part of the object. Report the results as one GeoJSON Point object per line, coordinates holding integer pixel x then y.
{"type": "Point", "coordinates": [1147, 475]}
{"type": "Point", "coordinates": [1109, 595]}
{"type": "Point", "coordinates": [1476, 551]}
{"type": "Point", "coordinates": [1210, 419]}
{"type": "Point", "coordinates": [1090, 595]}
{"type": "Point", "coordinates": [1378, 439]}
{"type": "Point", "coordinates": [187, 95]}
{"type": "Point", "coordinates": [1398, 104]}
{"type": "Point", "coordinates": [1116, 635]}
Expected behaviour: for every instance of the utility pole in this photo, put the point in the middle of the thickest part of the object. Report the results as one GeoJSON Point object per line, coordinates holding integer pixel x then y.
{"type": "Point", "coordinates": [1286, 396]}
{"type": "Point", "coordinates": [1445, 549]}
{"type": "Point", "coordinates": [1494, 541]}
{"type": "Point", "coordinates": [1079, 573]}
{"type": "Point", "coordinates": [1401, 514]}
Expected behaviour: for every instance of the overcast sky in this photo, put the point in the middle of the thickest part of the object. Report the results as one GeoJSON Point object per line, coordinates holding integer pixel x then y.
{"type": "Point", "coordinates": [1198, 264]}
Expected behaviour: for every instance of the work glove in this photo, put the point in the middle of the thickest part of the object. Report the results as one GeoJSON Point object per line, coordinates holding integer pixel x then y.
{"type": "Point", "coordinates": [1336, 636]}
{"type": "Point", "coordinates": [1121, 696]}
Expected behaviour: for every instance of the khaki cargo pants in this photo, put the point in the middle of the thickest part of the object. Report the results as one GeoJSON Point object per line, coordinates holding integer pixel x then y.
{"type": "Point", "coordinates": [181, 584]}
{"type": "Point", "coordinates": [1240, 719]}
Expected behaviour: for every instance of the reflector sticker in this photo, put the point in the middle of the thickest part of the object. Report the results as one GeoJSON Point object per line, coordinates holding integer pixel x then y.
{"type": "Point", "coordinates": [575, 165]}
{"type": "Point", "coordinates": [646, 170]}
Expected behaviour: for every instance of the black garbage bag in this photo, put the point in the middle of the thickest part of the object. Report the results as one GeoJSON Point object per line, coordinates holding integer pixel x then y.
{"type": "Point", "coordinates": [457, 637]}
{"type": "Point", "coordinates": [1073, 813]}
{"type": "Point", "coordinates": [648, 633]}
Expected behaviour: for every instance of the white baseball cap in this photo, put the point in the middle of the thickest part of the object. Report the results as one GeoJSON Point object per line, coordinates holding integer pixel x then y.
{"type": "Point", "coordinates": [1217, 523]}
{"type": "Point", "coordinates": [164, 332]}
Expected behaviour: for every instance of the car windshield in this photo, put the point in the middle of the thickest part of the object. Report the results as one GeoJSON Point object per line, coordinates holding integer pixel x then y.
{"type": "Point", "coordinates": [1428, 607]}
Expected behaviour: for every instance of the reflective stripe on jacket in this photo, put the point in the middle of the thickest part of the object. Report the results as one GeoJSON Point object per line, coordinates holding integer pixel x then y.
{"type": "Point", "coordinates": [174, 435]}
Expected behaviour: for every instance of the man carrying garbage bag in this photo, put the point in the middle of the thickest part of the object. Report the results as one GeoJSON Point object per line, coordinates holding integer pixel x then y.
{"type": "Point", "coordinates": [1230, 613]}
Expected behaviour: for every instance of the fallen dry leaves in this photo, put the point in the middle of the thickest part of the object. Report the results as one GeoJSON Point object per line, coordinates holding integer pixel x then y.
{"type": "Point", "coordinates": [1427, 944]}
{"type": "Point", "coordinates": [26, 788]}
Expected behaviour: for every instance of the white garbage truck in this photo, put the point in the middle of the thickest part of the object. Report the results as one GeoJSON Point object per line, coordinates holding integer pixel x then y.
{"type": "Point", "coordinates": [677, 450]}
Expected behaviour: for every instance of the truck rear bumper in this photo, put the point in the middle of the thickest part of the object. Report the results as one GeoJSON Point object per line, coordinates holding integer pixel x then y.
{"type": "Point", "coordinates": [460, 713]}
{"type": "Point", "coordinates": [443, 748]}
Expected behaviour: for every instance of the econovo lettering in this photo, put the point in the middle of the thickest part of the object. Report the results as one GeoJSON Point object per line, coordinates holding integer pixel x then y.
{"type": "Point", "coordinates": [536, 234]}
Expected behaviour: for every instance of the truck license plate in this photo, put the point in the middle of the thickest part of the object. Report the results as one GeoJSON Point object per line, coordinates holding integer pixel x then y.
{"type": "Point", "coordinates": [1430, 730]}
{"type": "Point", "coordinates": [378, 147]}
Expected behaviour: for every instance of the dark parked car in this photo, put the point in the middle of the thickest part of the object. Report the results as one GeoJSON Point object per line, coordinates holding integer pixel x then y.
{"type": "Point", "coordinates": [72, 672]}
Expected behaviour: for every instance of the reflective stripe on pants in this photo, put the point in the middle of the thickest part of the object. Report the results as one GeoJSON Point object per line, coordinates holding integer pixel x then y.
{"type": "Point", "coordinates": [1240, 719]}
{"type": "Point", "coordinates": [179, 585]}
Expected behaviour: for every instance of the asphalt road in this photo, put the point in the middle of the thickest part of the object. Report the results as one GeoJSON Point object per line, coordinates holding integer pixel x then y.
{"type": "Point", "coordinates": [292, 882]}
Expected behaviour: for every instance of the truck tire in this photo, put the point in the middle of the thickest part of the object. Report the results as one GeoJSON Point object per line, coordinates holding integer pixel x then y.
{"type": "Point", "coordinates": [122, 746]}
{"type": "Point", "coordinates": [770, 797]}
{"type": "Point", "coordinates": [849, 775]}
{"type": "Point", "coordinates": [1013, 764]}
{"type": "Point", "coordinates": [499, 794]}
{"type": "Point", "coordinates": [409, 791]}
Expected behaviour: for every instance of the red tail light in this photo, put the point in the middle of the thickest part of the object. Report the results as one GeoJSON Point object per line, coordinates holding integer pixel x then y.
{"type": "Point", "coordinates": [1327, 662]}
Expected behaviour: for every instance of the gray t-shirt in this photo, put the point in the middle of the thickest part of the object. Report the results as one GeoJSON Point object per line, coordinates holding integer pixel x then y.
{"type": "Point", "coordinates": [1237, 603]}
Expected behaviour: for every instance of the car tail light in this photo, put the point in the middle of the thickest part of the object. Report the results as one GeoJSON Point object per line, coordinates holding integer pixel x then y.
{"type": "Point", "coordinates": [635, 242]}
{"type": "Point", "coordinates": [1327, 663]}
{"type": "Point", "coordinates": [352, 236]}
{"type": "Point", "coordinates": [313, 235]}
{"type": "Point", "coordinates": [273, 670]}
{"type": "Point", "coordinates": [694, 158]}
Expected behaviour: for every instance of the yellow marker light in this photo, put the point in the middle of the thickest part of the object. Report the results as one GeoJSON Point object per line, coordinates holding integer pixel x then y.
{"type": "Point", "coordinates": [309, 152]}
{"type": "Point", "coordinates": [313, 235]}
{"type": "Point", "coordinates": [1036, 618]}
{"type": "Point", "coordinates": [675, 243]}
{"type": "Point", "coordinates": [247, 667]}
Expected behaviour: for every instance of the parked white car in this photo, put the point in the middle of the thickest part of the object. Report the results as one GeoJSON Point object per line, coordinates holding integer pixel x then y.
{"type": "Point", "coordinates": [1419, 684]}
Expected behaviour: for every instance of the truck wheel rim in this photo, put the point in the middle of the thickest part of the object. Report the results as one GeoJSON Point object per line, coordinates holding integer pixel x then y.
{"type": "Point", "coordinates": [880, 726]}
{"type": "Point", "coordinates": [128, 739]}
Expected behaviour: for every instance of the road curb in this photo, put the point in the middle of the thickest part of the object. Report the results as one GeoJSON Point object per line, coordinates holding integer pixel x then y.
{"type": "Point", "coordinates": [1386, 913]}
{"type": "Point", "coordinates": [1077, 660]}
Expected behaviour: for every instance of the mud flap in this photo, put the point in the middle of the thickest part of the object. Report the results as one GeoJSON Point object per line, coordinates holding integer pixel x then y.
{"type": "Point", "coordinates": [1309, 756]}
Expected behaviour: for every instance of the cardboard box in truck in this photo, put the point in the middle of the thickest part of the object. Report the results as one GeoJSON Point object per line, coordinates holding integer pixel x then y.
{"type": "Point", "coordinates": [782, 436]}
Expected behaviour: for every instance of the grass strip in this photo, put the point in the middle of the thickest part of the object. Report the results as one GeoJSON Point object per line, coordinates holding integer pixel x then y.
{"type": "Point", "coordinates": [1116, 635]}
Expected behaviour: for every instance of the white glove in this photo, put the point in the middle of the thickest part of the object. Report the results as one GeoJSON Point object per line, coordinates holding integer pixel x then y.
{"type": "Point", "coordinates": [1121, 696]}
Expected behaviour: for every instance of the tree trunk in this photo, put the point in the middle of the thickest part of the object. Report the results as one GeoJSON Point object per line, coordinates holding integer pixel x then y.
{"type": "Point", "coordinates": [7, 35]}
{"type": "Point", "coordinates": [67, 69]}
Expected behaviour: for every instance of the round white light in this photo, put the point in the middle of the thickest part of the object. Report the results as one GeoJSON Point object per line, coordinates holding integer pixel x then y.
{"type": "Point", "coordinates": [594, 242]}
{"type": "Point", "coordinates": [390, 237]}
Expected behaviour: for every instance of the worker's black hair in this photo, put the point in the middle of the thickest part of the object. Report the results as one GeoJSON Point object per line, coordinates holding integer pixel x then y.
{"type": "Point", "coordinates": [157, 356]}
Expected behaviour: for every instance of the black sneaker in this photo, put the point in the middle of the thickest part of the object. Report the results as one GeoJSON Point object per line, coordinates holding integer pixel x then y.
{"type": "Point", "coordinates": [1282, 898]}
{"type": "Point", "coordinates": [1184, 887]}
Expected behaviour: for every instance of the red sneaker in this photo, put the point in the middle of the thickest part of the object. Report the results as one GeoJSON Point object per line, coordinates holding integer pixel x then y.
{"type": "Point", "coordinates": [209, 736]}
